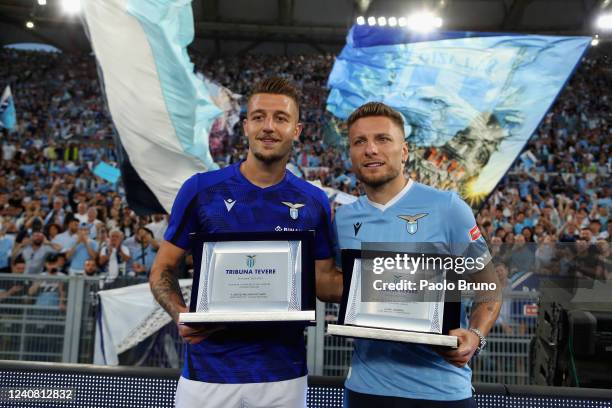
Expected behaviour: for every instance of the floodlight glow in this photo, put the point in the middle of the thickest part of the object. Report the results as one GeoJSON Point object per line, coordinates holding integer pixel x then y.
{"type": "Point", "coordinates": [392, 21]}
{"type": "Point", "coordinates": [595, 41]}
{"type": "Point", "coordinates": [71, 6]}
{"type": "Point", "coordinates": [604, 21]}
{"type": "Point", "coordinates": [401, 21]}
{"type": "Point", "coordinates": [30, 24]}
{"type": "Point", "coordinates": [361, 20]}
{"type": "Point", "coordinates": [42, 2]}
{"type": "Point", "coordinates": [424, 21]}
{"type": "Point", "coordinates": [371, 21]}
{"type": "Point", "coordinates": [382, 21]}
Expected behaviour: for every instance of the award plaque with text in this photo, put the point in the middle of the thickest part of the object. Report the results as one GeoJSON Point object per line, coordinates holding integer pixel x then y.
{"type": "Point", "coordinates": [395, 306]}
{"type": "Point", "coordinates": [252, 277]}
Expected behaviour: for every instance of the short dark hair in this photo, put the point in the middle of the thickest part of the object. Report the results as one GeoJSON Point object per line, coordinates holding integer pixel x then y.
{"type": "Point", "coordinates": [279, 86]}
{"type": "Point", "coordinates": [376, 109]}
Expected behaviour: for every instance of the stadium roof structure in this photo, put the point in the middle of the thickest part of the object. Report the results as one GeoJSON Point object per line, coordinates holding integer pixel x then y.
{"type": "Point", "coordinates": [231, 27]}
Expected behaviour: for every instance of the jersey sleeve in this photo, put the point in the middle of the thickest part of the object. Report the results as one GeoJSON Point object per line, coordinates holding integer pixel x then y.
{"type": "Point", "coordinates": [324, 235]}
{"type": "Point", "coordinates": [183, 219]}
{"type": "Point", "coordinates": [465, 238]}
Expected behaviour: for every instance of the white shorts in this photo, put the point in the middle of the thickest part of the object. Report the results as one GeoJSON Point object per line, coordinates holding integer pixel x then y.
{"type": "Point", "coordinates": [279, 394]}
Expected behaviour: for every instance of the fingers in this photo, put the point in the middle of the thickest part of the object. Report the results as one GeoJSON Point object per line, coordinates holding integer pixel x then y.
{"type": "Point", "coordinates": [460, 356]}
{"type": "Point", "coordinates": [196, 334]}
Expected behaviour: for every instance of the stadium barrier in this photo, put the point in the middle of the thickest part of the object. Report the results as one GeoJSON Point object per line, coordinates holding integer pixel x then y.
{"type": "Point", "coordinates": [32, 331]}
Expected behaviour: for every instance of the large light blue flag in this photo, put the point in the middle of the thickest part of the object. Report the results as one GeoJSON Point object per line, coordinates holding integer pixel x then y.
{"type": "Point", "coordinates": [8, 115]}
{"type": "Point", "coordinates": [161, 110]}
{"type": "Point", "coordinates": [470, 100]}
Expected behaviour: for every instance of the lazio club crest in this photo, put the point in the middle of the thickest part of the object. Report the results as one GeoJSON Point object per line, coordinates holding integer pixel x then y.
{"type": "Point", "coordinates": [293, 209]}
{"type": "Point", "coordinates": [250, 260]}
{"type": "Point", "coordinates": [412, 224]}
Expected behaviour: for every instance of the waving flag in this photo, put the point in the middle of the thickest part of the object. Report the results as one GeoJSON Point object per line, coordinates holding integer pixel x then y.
{"type": "Point", "coordinates": [161, 110]}
{"type": "Point", "coordinates": [470, 100]}
{"type": "Point", "coordinates": [8, 117]}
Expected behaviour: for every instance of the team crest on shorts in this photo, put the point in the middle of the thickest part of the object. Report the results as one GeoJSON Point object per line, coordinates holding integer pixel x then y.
{"type": "Point", "coordinates": [412, 224]}
{"type": "Point", "coordinates": [293, 209]}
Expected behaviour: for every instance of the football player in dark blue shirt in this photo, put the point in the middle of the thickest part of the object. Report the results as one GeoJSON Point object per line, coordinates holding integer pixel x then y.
{"type": "Point", "coordinates": [249, 365]}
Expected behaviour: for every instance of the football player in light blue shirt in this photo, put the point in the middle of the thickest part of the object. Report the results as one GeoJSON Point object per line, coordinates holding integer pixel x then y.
{"type": "Point", "coordinates": [398, 209]}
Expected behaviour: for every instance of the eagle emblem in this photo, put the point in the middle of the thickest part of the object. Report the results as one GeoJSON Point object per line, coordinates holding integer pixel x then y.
{"type": "Point", "coordinates": [293, 208]}
{"type": "Point", "coordinates": [412, 225]}
{"type": "Point", "coordinates": [250, 260]}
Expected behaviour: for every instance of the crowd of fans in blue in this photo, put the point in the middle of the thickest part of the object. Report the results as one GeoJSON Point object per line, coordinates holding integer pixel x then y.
{"type": "Point", "coordinates": [57, 217]}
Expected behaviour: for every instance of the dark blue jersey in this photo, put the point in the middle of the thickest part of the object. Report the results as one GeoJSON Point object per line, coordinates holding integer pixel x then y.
{"type": "Point", "coordinates": [225, 201]}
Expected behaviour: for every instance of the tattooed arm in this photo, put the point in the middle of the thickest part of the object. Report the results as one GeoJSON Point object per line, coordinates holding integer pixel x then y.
{"type": "Point", "coordinates": [164, 284]}
{"type": "Point", "coordinates": [163, 279]}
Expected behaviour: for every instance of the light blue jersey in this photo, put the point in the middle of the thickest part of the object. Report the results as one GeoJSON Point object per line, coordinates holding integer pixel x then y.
{"type": "Point", "coordinates": [399, 369]}
{"type": "Point", "coordinates": [77, 262]}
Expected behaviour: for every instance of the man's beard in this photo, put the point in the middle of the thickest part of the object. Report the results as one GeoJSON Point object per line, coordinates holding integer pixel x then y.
{"type": "Point", "coordinates": [269, 159]}
{"type": "Point", "coordinates": [379, 180]}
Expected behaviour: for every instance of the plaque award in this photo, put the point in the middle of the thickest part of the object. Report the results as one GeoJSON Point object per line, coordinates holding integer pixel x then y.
{"type": "Point", "coordinates": [252, 277]}
{"type": "Point", "coordinates": [406, 315]}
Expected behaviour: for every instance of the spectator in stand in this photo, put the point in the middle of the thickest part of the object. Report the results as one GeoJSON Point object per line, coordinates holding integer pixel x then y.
{"type": "Point", "coordinates": [35, 251]}
{"type": "Point", "coordinates": [81, 214]}
{"type": "Point", "coordinates": [67, 238]}
{"type": "Point", "coordinates": [92, 221]}
{"type": "Point", "coordinates": [143, 254]}
{"type": "Point", "coordinates": [49, 293]}
{"type": "Point", "coordinates": [6, 248]}
{"type": "Point", "coordinates": [158, 226]}
{"type": "Point", "coordinates": [83, 249]}
{"type": "Point", "coordinates": [115, 256]}
{"type": "Point", "coordinates": [91, 268]}
{"type": "Point", "coordinates": [13, 290]}
{"type": "Point", "coordinates": [57, 215]}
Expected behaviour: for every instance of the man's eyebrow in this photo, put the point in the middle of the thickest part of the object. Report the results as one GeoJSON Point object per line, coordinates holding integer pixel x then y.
{"type": "Point", "coordinates": [276, 112]}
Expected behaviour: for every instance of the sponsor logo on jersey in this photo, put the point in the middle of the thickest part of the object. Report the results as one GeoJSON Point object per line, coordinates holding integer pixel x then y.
{"type": "Point", "coordinates": [357, 227]}
{"type": "Point", "coordinates": [475, 233]}
{"type": "Point", "coordinates": [293, 209]}
{"type": "Point", "coordinates": [229, 203]}
{"type": "Point", "coordinates": [279, 228]}
{"type": "Point", "coordinates": [412, 224]}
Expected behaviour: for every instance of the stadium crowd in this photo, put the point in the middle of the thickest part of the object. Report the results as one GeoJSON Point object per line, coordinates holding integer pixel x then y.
{"type": "Point", "coordinates": [57, 217]}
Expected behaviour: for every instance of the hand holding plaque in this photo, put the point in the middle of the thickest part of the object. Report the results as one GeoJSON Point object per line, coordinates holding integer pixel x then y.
{"type": "Point", "coordinates": [249, 277]}
{"type": "Point", "coordinates": [392, 307]}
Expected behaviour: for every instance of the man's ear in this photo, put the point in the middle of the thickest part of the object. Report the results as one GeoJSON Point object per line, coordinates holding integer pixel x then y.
{"type": "Point", "coordinates": [405, 153]}
{"type": "Point", "coordinates": [298, 131]}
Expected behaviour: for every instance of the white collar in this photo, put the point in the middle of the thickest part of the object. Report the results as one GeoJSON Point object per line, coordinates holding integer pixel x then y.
{"type": "Point", "coordinates": [394, 200]}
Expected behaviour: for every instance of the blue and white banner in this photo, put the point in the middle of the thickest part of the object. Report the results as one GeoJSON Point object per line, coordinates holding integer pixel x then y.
{"type": "Point", "coordinates": [470, 100]}
{"type": "Point", "coordinates": [127, 316]}
{"type": "Point", "coordinates": [8, 115]}
{"type": "Point", "coordinates": [161, 110]}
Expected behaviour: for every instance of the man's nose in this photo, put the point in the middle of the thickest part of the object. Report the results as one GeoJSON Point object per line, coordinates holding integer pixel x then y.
{"type": "Point", "coordinates": [371, 149]}
{"type": "Point", "coordinates": [268, 125]}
